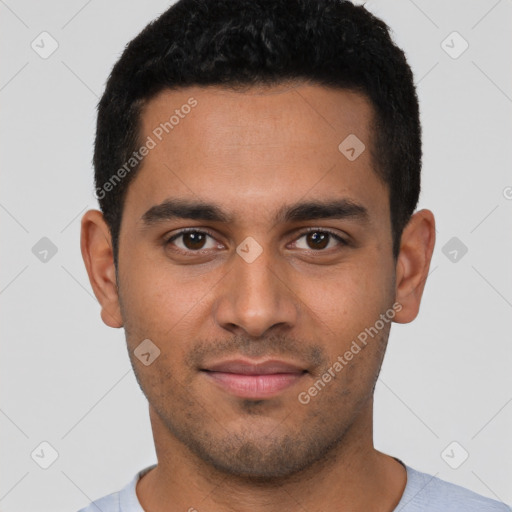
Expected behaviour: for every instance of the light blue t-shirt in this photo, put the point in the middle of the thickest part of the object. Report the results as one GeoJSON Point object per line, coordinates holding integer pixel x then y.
{"type": "Point", "coordinates": [422, 493]}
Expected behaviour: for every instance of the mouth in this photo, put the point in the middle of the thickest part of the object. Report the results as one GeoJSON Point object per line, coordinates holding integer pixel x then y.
{"type": "Point", "coordinates": [247, 379]}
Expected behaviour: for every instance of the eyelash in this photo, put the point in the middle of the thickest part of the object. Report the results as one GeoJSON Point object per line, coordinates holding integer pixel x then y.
{"type": "Point", "coordinates": [188, 252]}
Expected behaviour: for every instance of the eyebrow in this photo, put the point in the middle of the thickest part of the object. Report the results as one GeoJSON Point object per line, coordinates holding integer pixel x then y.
{"type": "Point", "coordinates": [177, 208]}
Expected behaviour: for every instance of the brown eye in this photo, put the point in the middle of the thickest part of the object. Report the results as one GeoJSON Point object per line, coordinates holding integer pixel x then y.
{"type": "Point", "coordinates": [194, 240]}
{"type": "Point", "coordinates": [191, 241]}
{"type": "Point", "coordinates": [319, 240]}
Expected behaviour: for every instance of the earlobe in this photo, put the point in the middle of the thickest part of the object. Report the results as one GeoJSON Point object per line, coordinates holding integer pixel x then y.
{"type": "Point", "coordinates": [416, 248]}
{"type": "Point", "coordinates": [98, 256]}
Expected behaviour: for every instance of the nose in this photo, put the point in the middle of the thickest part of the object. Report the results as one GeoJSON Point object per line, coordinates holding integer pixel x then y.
{"type": "Point", "coordinates": [256, 297]}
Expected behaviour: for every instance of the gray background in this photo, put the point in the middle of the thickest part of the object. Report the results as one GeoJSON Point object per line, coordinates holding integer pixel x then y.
{"type": "Point", "coordinates": [66, 377]}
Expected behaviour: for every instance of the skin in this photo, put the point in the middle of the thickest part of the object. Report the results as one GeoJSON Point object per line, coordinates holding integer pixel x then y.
{"type": "Point", "coordinates": [251, 153]}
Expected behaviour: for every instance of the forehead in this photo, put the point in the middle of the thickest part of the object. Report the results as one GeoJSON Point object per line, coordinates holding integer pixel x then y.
{"type": "Point", "coordinates": [306, 116]}
{"type": "Point", "coordinates": [257, 147]}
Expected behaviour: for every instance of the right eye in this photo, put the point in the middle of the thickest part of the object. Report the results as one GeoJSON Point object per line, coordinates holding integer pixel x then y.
{"type": "Point", "coordinates": [191, 240]}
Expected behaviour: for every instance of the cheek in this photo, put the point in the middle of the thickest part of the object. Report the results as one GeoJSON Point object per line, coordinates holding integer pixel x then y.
{"type": "Point", "coordinates": [348, 298]}
{"type": "Point", "coordinates": [157, 297]}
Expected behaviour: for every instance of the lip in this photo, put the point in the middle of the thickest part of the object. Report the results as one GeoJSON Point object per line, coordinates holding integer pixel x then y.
{"type": "Point", "coordinates": [256, 380]}
{"type": "Point", "coordinates": [245, 367]}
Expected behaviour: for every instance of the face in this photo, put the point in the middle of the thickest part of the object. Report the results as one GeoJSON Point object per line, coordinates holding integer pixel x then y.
{"type": "Point", "coordinates": [254, 254]}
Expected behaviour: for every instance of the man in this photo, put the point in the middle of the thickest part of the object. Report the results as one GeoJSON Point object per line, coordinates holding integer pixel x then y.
{"type": "Point", "coordinates": [258, 167]}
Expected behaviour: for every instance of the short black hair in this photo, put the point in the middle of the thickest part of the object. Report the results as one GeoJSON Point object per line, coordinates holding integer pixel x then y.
{"type": "Point", "coordinates": [240, 43]}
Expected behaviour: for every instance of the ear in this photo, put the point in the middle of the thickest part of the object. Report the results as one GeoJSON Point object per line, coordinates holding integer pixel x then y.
{"type": "Point", "coordinates": [416, 248]}
{"type": "Point", "coordinates": [96, 246]}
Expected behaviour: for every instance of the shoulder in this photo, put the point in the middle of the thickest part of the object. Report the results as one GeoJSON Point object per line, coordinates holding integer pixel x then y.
{"type": "Point", "coordinates": [425, 492]}
{"type": "Point", "coordinates": [110, 503]}
{"type": "Point", "coordinates": [124, 500]}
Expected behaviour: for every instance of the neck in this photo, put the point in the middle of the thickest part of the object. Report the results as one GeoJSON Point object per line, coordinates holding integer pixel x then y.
{"type": "Point", "coordinates": [354, 477]}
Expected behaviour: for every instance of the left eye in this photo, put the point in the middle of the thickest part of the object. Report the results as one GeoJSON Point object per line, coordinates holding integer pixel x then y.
{"type": "Point", "coordinates": [320, 240]}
